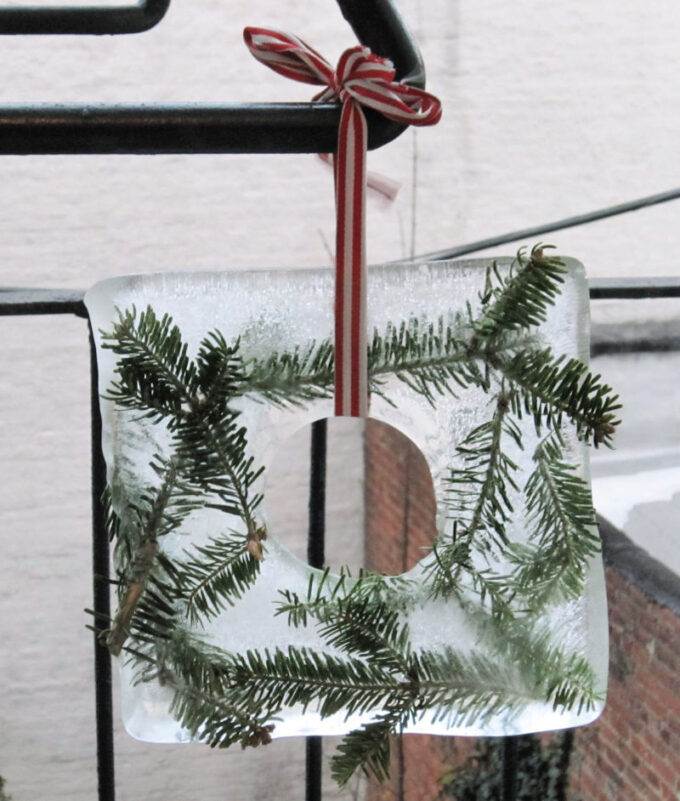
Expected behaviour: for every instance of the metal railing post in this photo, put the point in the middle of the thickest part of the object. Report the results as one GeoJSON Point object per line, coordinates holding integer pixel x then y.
{"type": "Point", "coordinates": [101, 602]}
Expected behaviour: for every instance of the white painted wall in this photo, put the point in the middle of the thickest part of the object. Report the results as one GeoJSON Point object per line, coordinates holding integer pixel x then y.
{"type": "Point", "coordinates": [549, 109]}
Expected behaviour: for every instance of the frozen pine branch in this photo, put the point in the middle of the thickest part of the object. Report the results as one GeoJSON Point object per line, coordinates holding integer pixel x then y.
{"type": "Point", "coordinates": [479, 503]}
{"type": "Point", "coordinates": [155, 375]}
{"type": "Point", "coordinates": [520, 300]}
{"type": "Point", "coordinates": [446, 685]}
{"type": "Point", "coordinates": [220, 695]}
{"type": "Point", "coordinates": [552, 388]}
{"type": "Point", "coordinates": [479, 493]}
{"type": "Point", "coordinates": [161, 509]}
{"type": "Point", "coordinates": [291, 379]}
{"type": "Point", "coordinates": [214, 576]}
{"type": "Point", "coordinates": [367, 749]}
{"type": "Point", "coordinates": [369, 629]}
{"type": "Point", "coordinates": [431, 359]}
{"type": "Point", "coordinates": [200, 678]}
{"type": "Point", "coordinates": [155, 617]}
{"type": "Point", "coordinates": [192, 397]}
{"type": "Point", "coordinates": [326, 595]}
{"type": "Point", "coordinates": [217, 722]}
{"type": "Point", "coordinates": [564, 678]}
{"type": "Point", "coordinates": [214, 443]}
{"type": "Point", "coordinates": [563, 531]}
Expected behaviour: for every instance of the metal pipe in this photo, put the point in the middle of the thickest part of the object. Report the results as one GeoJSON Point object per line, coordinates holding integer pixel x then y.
{"type": "Point", "coordinates": [102, 602]}
{"type": "Point", "coordinates": [510, 766]}
{"type": "Point", "coordinates": [183, 128]}
{"type": "Point", "coordinates": [379, 26]}
{"type": "Point", "coordinates": [83, 20]}
{"type": "Point", "coordinates": [18, 302]}
{"type": "Point", "coordinates": [316, 536]}
{"type": "Point", "coordinates": [632, 288]}
{"type": "Point", "coordinates": [192, 128]}
{"type": "Point", "coordinates": [557, 225]}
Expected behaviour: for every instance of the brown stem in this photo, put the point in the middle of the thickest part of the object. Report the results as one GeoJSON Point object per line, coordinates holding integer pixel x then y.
{"type": "Point", "coordinates": [117, 635]}
{"type": "Point", "coordinates": [143, 563]}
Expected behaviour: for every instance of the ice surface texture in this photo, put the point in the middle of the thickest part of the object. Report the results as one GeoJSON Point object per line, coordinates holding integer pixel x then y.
{"type": "Point", "coordinates": [279, 310]}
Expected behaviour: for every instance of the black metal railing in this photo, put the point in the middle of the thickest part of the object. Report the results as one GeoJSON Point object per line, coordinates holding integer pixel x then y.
{"type": "Point", "coordinates": [192, 128]}
{"type": "Point", "coordinates": [83, 19]}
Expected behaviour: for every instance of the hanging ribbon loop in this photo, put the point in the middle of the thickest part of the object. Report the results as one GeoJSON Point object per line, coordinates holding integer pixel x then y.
{"type": "Point", "coordinates": [361, 78]}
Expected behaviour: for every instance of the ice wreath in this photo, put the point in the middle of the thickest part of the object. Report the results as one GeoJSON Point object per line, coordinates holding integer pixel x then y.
{"type": "Point", "coordinates": [225, 636]}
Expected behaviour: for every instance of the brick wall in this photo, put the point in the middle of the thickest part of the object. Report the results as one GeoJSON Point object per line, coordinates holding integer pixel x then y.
{"type": "Point", "coordinates": [399, 500]}
{"type": "Point", "coordinates": [633, 752]}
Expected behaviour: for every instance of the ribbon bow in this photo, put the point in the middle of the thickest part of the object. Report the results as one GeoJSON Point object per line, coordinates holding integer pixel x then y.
{"type": "Point", "coordinates": [360, 79]}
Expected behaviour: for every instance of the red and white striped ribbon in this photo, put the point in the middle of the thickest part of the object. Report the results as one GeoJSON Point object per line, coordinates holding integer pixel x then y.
{"type": "Point", "coordinates": [360, 79]}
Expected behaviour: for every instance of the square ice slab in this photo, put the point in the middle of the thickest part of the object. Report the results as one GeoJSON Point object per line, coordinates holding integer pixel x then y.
{"type": "Point", "coordinates": [276, 311]}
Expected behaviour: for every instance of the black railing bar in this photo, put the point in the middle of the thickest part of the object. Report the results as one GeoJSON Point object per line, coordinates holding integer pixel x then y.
{"type": "Point", "coordinates": [316, 532]}
{"type": "Point", "coordinates": [601, 346]}
{"type": "Point", "coordinates": [548, 228]}
{"type": "Point", "coordinates": [86, 19]}
{"type": "Point", "coordinates": [101, 599]}
{"type": "Point", "coordinates": [633, 288]}
{"type": "Point", "coordinates": [20, 301]}
{"type": "Point", "coordinates": [316, 556]}
{"type": "Point", "coordinates": [509, 768]}
{"type": "Point", "coordinates": [227, 128]}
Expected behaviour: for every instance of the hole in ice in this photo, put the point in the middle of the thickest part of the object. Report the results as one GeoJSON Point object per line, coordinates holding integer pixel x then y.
{"type": "Point", "coordinates": [379, 497]}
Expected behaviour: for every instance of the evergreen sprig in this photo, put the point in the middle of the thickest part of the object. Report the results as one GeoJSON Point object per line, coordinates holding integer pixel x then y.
{"type": "Point", "coordinates": [327, 594]}
{"type": "Point", "coordinates": [200, 677]}
{"type": "Point", "coordinates": [154, 617]}
{"type": "Point", "coordinates": [551, 388]}
{"type": "Point", "coordinates": [563, 678]}
{"type": "Point", "coordinates": [217, 451]}
{"type": "Point", "coordinates": [155, 374]}
{"type": "Point", "coordinates": [431, 359]}
{"type": "Point", "coordinates": [225, 698]}
{"type": "Point", "coordinates": [479, 493]}
{"type": "Point", "coordinates": [157, 378]}
{"type": "Point", "coordinates": [367, 749]}
{"type": "Point", "coordinates": [520, 299]}
{"type": "Point", "coordinates": [447, 685]}
{"type": "Point", "coordinates": [214, 576]}
{"type": "Point", "coordinates": [563, 531]}
{"type": "Point", "coordinates": [160, 510]}
{"type": "Point", "coordinates": [369, 630]}
{"type": "Point", "coordinates": [291, 379]}
{"type": "Point", "coordinates": [218, 723]}
{"type": "Point", "coordinates": [195, 663]}
{"type": "Point", "coordinates": [479, 504]}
